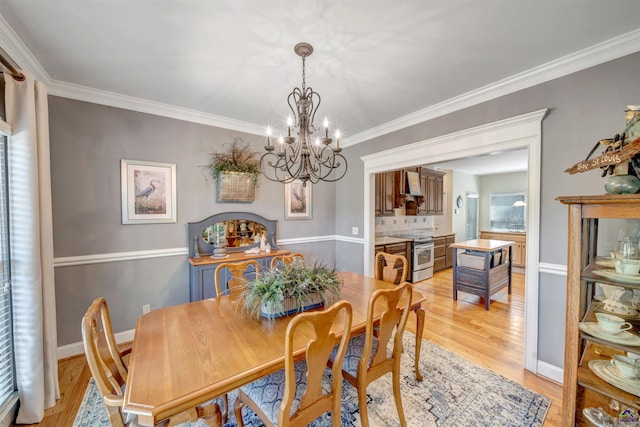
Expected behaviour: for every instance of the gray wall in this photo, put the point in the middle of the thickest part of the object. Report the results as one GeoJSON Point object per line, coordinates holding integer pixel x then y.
{"type": "Point", "coordinates": [515, 182]}
{"type": "Point", "coordinates": [584, 107]}
{"type": "Point", "coordinates": [87, 143]}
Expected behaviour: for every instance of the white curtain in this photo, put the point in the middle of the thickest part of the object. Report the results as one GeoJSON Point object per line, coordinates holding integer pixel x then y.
{"type": "Point", "coordinates": [31, 234]}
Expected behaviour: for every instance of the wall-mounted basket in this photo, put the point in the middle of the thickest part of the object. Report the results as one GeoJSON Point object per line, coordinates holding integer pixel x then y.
{"type": "Point", "coordinates": [235, 187]}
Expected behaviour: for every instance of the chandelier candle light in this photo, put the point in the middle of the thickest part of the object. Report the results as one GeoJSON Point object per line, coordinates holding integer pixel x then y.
{"type": "Point", "coordinates": [303, 159]}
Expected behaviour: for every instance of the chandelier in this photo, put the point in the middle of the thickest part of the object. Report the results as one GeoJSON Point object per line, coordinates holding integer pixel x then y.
{"type": "Point", "coordinates": [304, 158]}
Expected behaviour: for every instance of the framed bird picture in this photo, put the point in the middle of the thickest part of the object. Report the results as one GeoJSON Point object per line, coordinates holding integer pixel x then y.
{"type": "Point", "coordinates": [297, 200]}
{"type": "Point", "coordinates": [148, 192]}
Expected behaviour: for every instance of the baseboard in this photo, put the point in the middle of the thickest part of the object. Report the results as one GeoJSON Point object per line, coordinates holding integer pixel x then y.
{"type": "Point", "coordinates": [550, 371]}
{"type": "Point", "coordinates": [77, 348]}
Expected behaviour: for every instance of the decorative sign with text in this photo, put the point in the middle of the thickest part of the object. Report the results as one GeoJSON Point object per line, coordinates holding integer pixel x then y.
{"type": "Point", "coordinates": [608, 158]}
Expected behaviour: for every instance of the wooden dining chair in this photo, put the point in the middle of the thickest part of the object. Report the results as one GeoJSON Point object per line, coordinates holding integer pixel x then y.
{"type": "Point", "coordinates": [391, 268]}
{"type": "Point", "coordinates": [286, 260]}
{"type": "Point", "coordinates": [367, 357]}
{"type": "Point", "coordinates": [109, 370]}
{"type": "Point", "coordinates": [237, 270]}
{"type": "Point", "coordinates": [303, 391]}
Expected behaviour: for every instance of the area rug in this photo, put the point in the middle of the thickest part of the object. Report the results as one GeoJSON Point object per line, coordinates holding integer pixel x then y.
{"type": "Point", "coordinates": [455, 392]}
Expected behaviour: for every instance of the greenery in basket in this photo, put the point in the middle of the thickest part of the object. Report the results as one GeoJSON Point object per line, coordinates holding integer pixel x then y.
{"type": "Point", "coordinates": [294, 281]}
{"type": "Point", "coordinates": [237, 158]}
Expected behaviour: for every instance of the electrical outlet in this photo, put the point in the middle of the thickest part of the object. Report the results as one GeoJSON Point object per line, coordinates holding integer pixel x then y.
{"type": "Point", "coordinates": [146, 308]}
{"type": "Point", "coordinates": [354, 231]}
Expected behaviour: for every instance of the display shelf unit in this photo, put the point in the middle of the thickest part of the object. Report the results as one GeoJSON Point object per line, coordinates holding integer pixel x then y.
{"type": "Point", "coordinates": [582, 388]}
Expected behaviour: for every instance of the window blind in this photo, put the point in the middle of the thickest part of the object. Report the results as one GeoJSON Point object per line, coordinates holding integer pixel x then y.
{"type": "Point", "coordinates": [7, 370]}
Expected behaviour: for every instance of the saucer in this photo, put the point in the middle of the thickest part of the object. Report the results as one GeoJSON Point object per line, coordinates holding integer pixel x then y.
{"type": "Point", "coordinates": [604, 370]}
{"type": "Point", "coordinates": [611, 274]}
{"type": "Point", "coordinates": [623, 337]}
{"type": "Point", "coordinates": [599, 307]}
{"type": "Point", "coordinates": [605, 263]}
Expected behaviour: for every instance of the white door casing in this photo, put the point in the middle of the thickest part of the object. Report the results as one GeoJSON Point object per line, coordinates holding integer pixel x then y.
{"type": "Point", "coordinates": [524, 131]}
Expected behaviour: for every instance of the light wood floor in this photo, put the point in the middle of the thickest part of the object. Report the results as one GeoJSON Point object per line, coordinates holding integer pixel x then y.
{"type": "Point", "coordinates": [493, 339]}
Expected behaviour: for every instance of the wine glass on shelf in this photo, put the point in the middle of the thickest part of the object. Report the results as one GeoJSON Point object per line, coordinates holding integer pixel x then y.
{"type": "Point", "coordinates": [626, 249]}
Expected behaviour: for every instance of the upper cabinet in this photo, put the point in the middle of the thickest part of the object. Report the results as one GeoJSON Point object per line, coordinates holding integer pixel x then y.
{"type": "Point", "coordinates": [391, 192]}
{"type": "Point", "coordinates": [432, 187]}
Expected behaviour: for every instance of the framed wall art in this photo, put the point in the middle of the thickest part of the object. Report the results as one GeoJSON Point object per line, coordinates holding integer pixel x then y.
{"type": "Point", "coordinates": [297, 200]}
{"type": "Point", "coordinates": [148, 192]}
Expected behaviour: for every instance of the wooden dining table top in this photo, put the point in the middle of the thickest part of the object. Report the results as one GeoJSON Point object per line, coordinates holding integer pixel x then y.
{"type": "Point", "coordinates": [188, 354]}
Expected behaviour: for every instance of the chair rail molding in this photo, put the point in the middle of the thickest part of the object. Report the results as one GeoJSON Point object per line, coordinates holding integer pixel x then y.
{"type": "Point", "coordinates": [183, 251]}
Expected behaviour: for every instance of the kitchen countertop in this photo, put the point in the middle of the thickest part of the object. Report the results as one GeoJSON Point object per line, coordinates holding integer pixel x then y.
{"type": "Point", "coordinates": [387, 240]}
{"type": "Point", "coordinates": [443, 234]}
{"type": "Point", "coordinates": [522, 233]}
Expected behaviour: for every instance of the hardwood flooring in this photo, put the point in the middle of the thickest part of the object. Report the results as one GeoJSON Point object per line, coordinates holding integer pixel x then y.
{"type": "Point", "coordinates": [493, 339]}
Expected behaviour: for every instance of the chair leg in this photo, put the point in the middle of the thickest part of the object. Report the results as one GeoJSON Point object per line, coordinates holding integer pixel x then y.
{"type": "Point", "coordinates": [237, 409]}
{"type": "Point", "coordinates": [397, 396]}
{"type": "Point", "coordinates": [211, 414]}
{"type": "Point", "coordinates": [362, 405]}
{"type": "Point", "coordinates": [225, 410]}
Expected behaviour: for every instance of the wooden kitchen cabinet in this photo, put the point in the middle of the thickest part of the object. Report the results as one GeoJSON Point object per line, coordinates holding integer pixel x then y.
{"type": "Point", "coordinates": [450, 239]}
{"type": "Point", "coordinates": [431, 184]}
{"type": "Point", "coordinates": [389, 191]}
{"type": "Point", "coordinates": [442, 257]}
{"type": "Point", "coordinates": [519, 255]}
{"type": "Point", "coordinates": [586, 354]}
{"type": "Point", "coordinates": [400, 248]}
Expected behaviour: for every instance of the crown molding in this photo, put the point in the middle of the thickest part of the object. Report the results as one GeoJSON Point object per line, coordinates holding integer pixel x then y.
{"type": "Point", "coordinates": [13, 46]}
{"type": "Point", "coordinates": [600, 53]}
{"type": "Point", "coordinates": [112, 99]}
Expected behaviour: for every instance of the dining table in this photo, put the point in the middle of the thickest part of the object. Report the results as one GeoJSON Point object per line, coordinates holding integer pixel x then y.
{"type": "Point", "coordinates": [188, 354]}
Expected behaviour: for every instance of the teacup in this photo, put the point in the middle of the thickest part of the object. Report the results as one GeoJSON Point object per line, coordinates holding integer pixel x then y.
{"type": "Point", "coordinates": [626, 266]}
{"type": "Point", "coordinates": [626, 365]}
{"type": "Point", "coordinates": [611, 324]}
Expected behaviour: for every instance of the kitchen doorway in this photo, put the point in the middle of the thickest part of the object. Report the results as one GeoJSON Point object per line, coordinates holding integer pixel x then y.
{"type": "Point", "coordinates": [524, 131]}
{"type": "Point", "coordinates": [471, 227]}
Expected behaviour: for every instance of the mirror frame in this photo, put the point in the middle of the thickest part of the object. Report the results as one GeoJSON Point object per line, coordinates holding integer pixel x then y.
{"type": "Point", "coordinates": [195, 230]}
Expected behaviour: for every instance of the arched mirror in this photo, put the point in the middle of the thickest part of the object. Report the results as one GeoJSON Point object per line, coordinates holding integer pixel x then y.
{"type": "Point", "coordinates": [237, 231]}
{"type": "Point", "coordinates": [234, 233]}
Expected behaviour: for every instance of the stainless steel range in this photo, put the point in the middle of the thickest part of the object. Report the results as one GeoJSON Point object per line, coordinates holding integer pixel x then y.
{"type": "Point", "coordinates": [421, 254]}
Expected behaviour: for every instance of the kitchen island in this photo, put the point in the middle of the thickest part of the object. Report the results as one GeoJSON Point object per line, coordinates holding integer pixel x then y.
{"type": "Point", "coordinates": [482, 268]}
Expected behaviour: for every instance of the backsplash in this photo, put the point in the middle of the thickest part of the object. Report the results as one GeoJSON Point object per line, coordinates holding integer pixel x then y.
{"type": "Point", "coordinates": [393, 224]}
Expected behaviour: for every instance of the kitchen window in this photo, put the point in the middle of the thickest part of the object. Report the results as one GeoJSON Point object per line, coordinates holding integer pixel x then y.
{"type": "Point", "coordinates": [508, 211]}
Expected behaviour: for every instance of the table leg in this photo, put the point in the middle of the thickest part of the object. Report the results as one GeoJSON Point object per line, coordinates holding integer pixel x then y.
{"type": "Point", "coordinates": [455, 268]}
{"type": "Point", "coordinates": [419, 329]}
{"type": "Point", "coordinates": [510, 270]}
{"type": "Point", "coordinates": [487, 285]}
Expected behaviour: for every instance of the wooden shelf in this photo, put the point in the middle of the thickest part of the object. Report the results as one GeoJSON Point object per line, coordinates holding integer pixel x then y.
{"type": "Point", "coordinates": [581, 387]}
{"type": "Point", "coordinates": [587, 379]}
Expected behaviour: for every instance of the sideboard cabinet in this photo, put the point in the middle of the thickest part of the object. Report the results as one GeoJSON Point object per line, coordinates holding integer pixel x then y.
{"type": "Point", "coordinates": [238, 231]}
{"type": "Point", "coordinates": [586, 354]}
{"type": "Point", "coordinates": [202, 271]}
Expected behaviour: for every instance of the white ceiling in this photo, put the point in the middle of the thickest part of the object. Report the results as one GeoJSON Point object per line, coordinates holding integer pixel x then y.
{"type": "Point", "coordinates": [491, 164]}
{"type": "Point", "coordinates": [376, 62]}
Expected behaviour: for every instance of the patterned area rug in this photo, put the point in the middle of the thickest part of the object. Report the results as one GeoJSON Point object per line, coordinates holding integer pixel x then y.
{"type": "Point", "coordinates": [455, 392]}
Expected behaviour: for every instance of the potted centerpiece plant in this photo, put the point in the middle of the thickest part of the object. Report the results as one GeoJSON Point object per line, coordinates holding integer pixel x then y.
{"type": "Point", "coordinates": [290, 289]}
{"type": "Point", "coordinates": [236, 171]}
